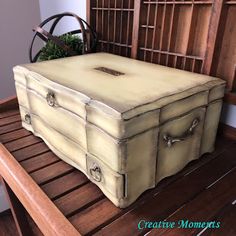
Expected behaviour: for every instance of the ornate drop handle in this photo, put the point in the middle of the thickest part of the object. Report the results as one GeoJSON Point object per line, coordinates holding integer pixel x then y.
{"type": "Point", "coordinates": [51, 100]}
{"type": "Point", "coordinates": [96, 173]}
{"type": "Point", "coordinates": [28, 119]}
{"type": "Point", "coordinates": [171, 140]}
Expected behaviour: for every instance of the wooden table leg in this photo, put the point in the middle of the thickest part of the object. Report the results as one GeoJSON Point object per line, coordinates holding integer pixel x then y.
{"type": "Point", "coordinates": [18, 211]}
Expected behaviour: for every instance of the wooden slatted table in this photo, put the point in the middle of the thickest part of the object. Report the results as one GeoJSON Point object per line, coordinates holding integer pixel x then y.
{"type": "Point", "coordinates": [62, 201]}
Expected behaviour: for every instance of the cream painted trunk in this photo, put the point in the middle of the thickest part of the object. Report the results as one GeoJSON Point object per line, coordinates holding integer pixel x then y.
{"type": "Point", "coordinates": [124, 123]}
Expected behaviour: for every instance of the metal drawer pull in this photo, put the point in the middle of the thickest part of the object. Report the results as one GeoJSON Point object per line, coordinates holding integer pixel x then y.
{"type": "Point", "coordinates": [96, 173]}
{"type": "Point", "coordinates": [27, 119]}
{"type": "Point", "coordinates": [171, 140]}
{"type": "Point", "coordinates": [51, 100]}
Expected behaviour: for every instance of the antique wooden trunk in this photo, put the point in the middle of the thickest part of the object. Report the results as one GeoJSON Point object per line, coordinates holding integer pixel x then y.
{"type": "Point", "coordinates": [126, 124]}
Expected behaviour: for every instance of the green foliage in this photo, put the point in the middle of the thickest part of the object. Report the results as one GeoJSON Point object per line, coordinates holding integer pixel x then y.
{"type": "Point", "coordinates": [51, 51]}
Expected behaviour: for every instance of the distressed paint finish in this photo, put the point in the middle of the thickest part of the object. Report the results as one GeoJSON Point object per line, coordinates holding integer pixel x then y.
{"type": "Point", "coordinates": [125, 132]}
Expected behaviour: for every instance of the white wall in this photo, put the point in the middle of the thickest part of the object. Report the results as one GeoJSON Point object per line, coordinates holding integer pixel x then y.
{"type": "Point", "coordinates": [17, 18]}
{"type": "Point", "coordinates": [229, 115]}
{"type": "Point", "coordinates": [52, 7]}
{"type": "Point", "coordinates": [3, 200]}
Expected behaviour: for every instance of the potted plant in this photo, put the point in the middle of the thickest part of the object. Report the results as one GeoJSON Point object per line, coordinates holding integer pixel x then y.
{"type": "Point", "coordinates": [76, 42]}
{"type": "Point", "coordinates": [52, 51]}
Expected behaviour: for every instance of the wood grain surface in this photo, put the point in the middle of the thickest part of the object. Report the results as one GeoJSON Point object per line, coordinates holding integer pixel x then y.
{"type": "Point", "coordinates": [58, 194]}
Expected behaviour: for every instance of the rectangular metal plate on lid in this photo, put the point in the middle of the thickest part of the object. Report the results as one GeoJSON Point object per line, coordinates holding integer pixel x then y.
{"type": "Point", "coordinates": [109, 71]}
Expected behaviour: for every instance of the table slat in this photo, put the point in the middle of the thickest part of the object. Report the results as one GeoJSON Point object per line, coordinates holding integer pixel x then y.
{"type": "Point", "coordinates": [30, 151]}
{"type": "Point", "coordinates": [69, 182]}
{"type": "Point", "coordinates": [51, 172]}
{"type": "Point", "coordinates": [9, 120]}
{"type": "Point", "coordinates": [162, 204]}
{"type": "Point", "coordinates": [203, 207]}
{"type": "Point", "coordinates": [21, 143]}
{"type": "Point", "coordinates": [39, 162]}
{"type": "Point", "coordinates": [9, 113]}
{"type": "Point", "coordinates": [11, 127]}
{"type": "Point", "coordinates": [14, 135]}
{"type": "Point", "coordinates": [78, 199]}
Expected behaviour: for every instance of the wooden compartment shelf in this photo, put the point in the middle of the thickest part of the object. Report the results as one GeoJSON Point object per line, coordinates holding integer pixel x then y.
{"type": "Point", "coordinates": [169, 29]}
{"type": "Point", "coordinates": [197, 35]}
{"type": "Point", "coordinates": [225, 59]}
{"type": "Point", "coordinates": [118, 15]}
{"type": "Point", "coordinates": [178, 2]}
